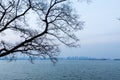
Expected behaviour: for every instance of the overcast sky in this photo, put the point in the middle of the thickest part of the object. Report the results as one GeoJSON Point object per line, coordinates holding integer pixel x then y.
{"type": "Point", "coordinates": [101, 34]}
{"type": "Point", "coordinates": [100, 37]}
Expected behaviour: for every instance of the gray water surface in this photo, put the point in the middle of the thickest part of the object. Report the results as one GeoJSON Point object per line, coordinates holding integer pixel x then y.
{"type": "Point", "coordinates": [63, 70]}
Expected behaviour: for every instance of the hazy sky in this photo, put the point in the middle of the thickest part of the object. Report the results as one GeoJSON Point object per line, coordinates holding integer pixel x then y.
{"type": "Point", "coordinates": [101, 34]}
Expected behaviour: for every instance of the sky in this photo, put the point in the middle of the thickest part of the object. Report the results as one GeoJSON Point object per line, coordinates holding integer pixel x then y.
{"type": "Point", "coordinates": [100, 37]}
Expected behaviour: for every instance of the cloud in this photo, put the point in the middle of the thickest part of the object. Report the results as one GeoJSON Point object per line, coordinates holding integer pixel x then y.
{"type": "Point", "coordinates": [104, 39]}
{"type": "Point", "coordinates": [9, 36]}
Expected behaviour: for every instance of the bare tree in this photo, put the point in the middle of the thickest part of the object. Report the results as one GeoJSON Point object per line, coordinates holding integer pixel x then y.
{"type": "Point", "coordinates": [56, 22]}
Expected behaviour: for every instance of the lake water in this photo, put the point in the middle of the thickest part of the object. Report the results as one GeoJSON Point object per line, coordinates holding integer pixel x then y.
{"type": "Point", "coordinates": [63, 70]}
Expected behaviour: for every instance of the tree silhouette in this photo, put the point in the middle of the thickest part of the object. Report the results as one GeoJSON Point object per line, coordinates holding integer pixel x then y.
{"type": "Point", "coordinates": [56, 22]}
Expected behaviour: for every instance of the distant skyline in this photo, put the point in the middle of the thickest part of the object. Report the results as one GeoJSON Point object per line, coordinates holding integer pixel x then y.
{"type": "Point", "coordinates": [100, 37]}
